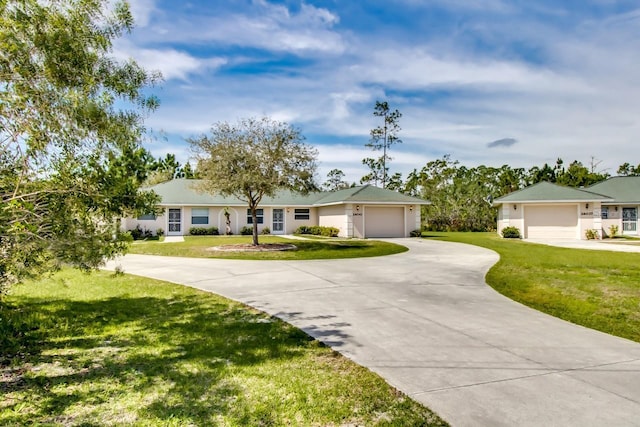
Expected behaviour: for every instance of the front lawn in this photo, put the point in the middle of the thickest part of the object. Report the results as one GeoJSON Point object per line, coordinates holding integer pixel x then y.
{"type": "Point", "coordinates": [596, 289]}
{"type": "Point", "coordinates": [124, 350]}
{"type": "Point", "coordinates": [199, 247]}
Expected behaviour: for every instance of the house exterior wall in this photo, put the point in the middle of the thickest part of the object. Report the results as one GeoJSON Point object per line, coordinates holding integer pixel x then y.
{"type": "Point", "coordinates": [614, 217]}
{"type": "Point", "coordinates": [511, 215]}
{"type": "Point", "coordinates": [145, 224]}
{"type": "Point", "coordinates": [291, 224]}
{"type": "Point", "coordinates": [548, 220]}
{"type": "Point", "coordinates": [590, 218]}
{"type": "Point", "coordinates": [335, 216]}
{"type": "Point", "coordinates": [349, 219]}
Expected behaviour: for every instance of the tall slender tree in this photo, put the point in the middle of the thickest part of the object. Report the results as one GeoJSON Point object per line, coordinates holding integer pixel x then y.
{"type": "Point", "coordinates": [385, 136]}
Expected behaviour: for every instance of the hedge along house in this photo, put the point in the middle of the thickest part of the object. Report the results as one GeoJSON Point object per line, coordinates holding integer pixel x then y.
{"type": "Point", "coordinates": [364, 211]}
{"type": "Point", "coordinates": [546, 210]}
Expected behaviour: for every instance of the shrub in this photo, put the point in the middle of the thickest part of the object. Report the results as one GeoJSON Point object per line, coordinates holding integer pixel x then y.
{"type": "Point", "coordinates": [592, 234]}
{"type": "Point", "coordinates": [318, 230]}
{"type": "Point", "coordinates": [159, 232]}
{"type": "Point", "coordinates": [303, 229]}
{"type": "Point", "coordinates": [136, 233]}
{"type": "Point", "coordinates": [139, 233]}
{"type": "Point", "coordinates": [266, 230]}
{"type": "Point", "coordinates": [511, 233]}
{"type": "Point", "coordinates": [247, 230]}
{"type": "Point", "coordinates": [416, 233]}
{"type": "Point", "coordinates": [613, 230]}
{"type": "Point", "coordinates": [204, 231]}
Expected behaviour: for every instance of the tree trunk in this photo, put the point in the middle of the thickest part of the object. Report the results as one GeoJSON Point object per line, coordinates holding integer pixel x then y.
{"type": "Point", "coordinates": [254, 216]}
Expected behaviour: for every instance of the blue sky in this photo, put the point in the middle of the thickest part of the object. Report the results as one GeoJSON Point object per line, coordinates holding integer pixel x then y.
{"type": "Point", "coordinates": [493, 82]}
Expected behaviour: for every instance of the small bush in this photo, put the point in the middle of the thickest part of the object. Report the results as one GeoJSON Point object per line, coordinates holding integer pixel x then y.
{"type": "Point", "coordinates": [416, 233]}
{"type": "Point", "coordinates": [303, 229]}
{"type": "Point", "coordinates": [266, 230]}
{"type": "Point", "coordinates": [160, 232]}
{"type": "Point", "coordinates": [247, 230]}
{"type": "Point", "coordinates": [592, 234]}
{"type": "Point", "coordinates": [204, 231]}
{"type": "Point", "coordinates": [613, 230]}
{"type": "Point", "coordinates": [318, 230]}
{"type": "Point", "coordinates": [511, 233]}
{"type": "Point", "coordinates": [139, 233]}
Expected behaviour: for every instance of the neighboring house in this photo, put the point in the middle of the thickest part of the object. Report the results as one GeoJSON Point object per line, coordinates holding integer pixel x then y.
{"type": "Point", "coordinates": [546, 210]}
{"type": "Point", "coordinates": [364, 211]}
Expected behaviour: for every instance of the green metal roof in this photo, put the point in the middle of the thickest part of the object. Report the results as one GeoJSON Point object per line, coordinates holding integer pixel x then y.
{"type": "Point", "coordinates": [622, 189]}
{"type": "Point", "coordinates": [548, 192]}
{"type": "Point", "coordinates": [367, 194]}
{"type": "Point", "coordinates": [185, 192]}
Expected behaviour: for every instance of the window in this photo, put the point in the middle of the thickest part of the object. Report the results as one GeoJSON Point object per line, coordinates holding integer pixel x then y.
{"type": "Point", "coordinates": [147, 217]}
{"type": "Point", "coordinates": [199, 216]}
{"type": "Point", "coordinates": [301, 214]}
{"type": "Point", "coordinates": [259, 216]}
{"type": "Point", "coordinates": [604, 212]}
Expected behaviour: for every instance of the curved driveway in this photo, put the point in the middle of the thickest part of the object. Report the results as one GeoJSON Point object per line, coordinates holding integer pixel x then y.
{"type": "Point", "coordinates": [426, 321]}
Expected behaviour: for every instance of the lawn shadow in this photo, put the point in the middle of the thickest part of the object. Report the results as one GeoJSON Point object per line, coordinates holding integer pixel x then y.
{"type": "Point", "coordinates": [175, 352]}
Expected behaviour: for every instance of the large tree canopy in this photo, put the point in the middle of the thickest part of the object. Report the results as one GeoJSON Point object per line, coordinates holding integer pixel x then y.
{"type": "Point", "coordinates": [254, 158]}
{"type": "Point", "coordinates": [71, 118]}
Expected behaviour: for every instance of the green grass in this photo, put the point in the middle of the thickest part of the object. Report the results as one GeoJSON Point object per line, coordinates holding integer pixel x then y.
{"type": "Point", "coordinates": [122, 350]}
{"type": "Point", "coordinates": [596, 289]}
{"type": "Point", "coordinates": [199, 247]}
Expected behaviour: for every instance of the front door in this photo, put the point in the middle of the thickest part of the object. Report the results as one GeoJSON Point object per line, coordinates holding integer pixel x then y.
{"type": "Point", "coordinates": [629, 221]}
{"type": "Point", "coordinates": [175, 222]}
{"type": "Point", "coordinates": [278, 221]}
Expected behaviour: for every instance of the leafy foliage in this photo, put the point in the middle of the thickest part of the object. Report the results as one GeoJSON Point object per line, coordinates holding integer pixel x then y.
{"type": "Point", "coordinates": [254, 158]}
{"type": "Point", "coordinates": [70, 125]}
{"type": "Point", "coordinates": [246, 230]}
{"type": "Point", "coordinates": [511, 233]}
{"type": "Point", "coordinates": [592, 234]}
{"type": "Point", "coordinates": [318, 230]}
{"type": "Point", "coordinates": [335, 181]}
{"type": "Point", "coordinates": [204, 231]}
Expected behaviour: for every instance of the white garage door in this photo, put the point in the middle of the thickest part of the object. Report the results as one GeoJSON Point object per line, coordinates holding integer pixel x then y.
{"type": "Point", "coordinates": [551, 222]}
{"type": "Point", "coordinates": [384, 222]}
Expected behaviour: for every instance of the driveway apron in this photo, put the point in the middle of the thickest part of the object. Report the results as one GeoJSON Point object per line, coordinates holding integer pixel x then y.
{"type": "Point", "coordinates": [426, 321]}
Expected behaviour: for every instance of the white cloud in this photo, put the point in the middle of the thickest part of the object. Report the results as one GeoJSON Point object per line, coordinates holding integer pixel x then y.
{"type": "Point", "coordinates": [262, 25]}
{"type": "Point", "coordinates": [172, 63]}
{"type": "Point", "coordinates": [142, 11]}
{"type": "Point", "coordinates": [577, 97]}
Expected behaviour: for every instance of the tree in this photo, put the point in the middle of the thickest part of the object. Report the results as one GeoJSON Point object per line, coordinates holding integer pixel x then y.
{"type": "Point", "coordinates": [383, 137]}
{"type": "Point", "coordinates": [252, 159]}
{"type": "Point", "coordinates": [626, 169]}
{"type": "Point", "coordinates": [71, 118]}
{"type": "Point", "coordinates": [376, 171]}
{"type": "Point", "coordinates": [335, 181]}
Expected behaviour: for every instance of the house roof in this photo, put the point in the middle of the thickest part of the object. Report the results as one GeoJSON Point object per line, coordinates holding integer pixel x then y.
{"type": "Point", "coordinates": [548, 192]}
{"type": "Point", "coordinates": [185, 192]}
{"type": "Point", "coordinates": [622, 189]}
{"type": "Point", "coordinates": [367, 194]}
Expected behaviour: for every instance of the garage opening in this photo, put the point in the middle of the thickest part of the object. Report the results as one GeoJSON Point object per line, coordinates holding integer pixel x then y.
{"type": "Point", "coordinates": [384, 222]}
{"type": "Point", "coordinates": [551, 222]}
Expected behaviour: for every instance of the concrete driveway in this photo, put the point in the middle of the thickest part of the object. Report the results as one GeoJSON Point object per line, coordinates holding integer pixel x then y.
{"type": "Point", "coordinates": [426, 321]}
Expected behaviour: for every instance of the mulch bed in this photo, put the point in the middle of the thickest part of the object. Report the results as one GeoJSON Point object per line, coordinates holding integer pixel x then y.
{"type": "Point", "coordinates": [247, 247]}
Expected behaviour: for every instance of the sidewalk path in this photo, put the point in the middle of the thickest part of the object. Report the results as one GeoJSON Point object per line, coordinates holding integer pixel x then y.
{"type": "Point", "coordinates": [426, 321]}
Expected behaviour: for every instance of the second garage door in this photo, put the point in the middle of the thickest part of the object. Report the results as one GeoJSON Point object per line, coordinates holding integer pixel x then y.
{"type": "Point", "coordinates": [551, 222]}
{"type": "Point", "coordinates": [384, 222]}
